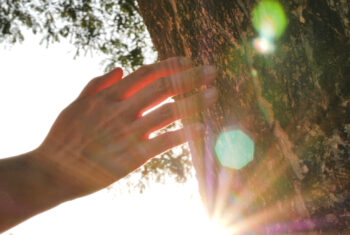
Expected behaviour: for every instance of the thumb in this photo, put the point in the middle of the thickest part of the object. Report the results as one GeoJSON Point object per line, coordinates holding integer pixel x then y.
{"type": "Point", "coordinates": [102, 82]}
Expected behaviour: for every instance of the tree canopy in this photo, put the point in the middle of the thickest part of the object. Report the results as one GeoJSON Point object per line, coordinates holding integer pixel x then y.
{"type": "Point", "coordinates": [112, 27]}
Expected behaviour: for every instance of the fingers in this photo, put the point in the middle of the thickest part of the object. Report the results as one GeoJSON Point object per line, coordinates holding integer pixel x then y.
{"type": "Point", "coordinates": [169, 86]}
{"type": "Point", "coordinates": [122, 158]}
{"type": "Point", "coordinates": [146, 75]}
{"type": "Point", "coordinates": [169, 140]}
{"type": "Point", "coordinates": [140, 153]}
{"type": "Point", "coordinates": [100, 83]}
{"type": "Point", "coordinates": [171, 112]}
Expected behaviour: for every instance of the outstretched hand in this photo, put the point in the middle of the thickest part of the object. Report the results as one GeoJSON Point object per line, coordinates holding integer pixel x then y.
{"type": "Point", "coordinates": [102, 136]}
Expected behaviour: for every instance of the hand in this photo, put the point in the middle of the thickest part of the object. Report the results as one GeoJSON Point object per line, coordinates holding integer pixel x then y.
{"type": "Point", "coordinates": [102, 136]}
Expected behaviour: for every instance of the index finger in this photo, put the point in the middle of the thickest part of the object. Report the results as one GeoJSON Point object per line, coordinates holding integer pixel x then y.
{"type": "Point", "coordinates": [145, 75]}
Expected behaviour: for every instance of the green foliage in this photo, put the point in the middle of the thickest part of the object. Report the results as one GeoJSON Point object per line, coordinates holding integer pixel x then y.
{"type": "Point", "coordinates": [175, 162]}
{"type": "Point", "coordinates": [112, 27]}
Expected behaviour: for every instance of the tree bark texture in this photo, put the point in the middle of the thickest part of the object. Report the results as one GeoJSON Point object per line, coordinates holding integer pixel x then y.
{"type": "Point", "coordinates": [296, 108]}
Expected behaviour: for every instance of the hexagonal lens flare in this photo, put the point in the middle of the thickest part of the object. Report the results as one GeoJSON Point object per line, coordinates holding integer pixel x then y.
{"type": "Point", "coordinates": [234, 149]}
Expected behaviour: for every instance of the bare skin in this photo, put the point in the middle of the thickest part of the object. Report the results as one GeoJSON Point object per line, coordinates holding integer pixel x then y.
{"type": "Point", "coordinates": [102, 136]}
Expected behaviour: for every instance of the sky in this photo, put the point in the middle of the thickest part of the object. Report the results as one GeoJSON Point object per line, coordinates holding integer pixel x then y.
{"type": "Point", "coordinates": [36, 84]}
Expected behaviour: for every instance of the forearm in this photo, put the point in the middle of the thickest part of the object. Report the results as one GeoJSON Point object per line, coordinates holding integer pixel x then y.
{"type": "Point", "coordinates": [25, 190]}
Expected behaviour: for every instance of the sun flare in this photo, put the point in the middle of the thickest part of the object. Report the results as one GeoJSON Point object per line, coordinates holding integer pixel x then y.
{"type": "Point", "coordinates": [213, 227]}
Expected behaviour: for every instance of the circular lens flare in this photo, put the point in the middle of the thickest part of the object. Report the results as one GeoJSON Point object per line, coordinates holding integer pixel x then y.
{"type": "Point", "coordinates": [268, 28]}
{"type": "Point", "coordinates": [263, 45]}
{"type": "Point", "coordinates": [269, 19]}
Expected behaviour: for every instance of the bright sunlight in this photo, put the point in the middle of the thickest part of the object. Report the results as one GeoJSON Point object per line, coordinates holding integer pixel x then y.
{"type": "Point", "coordinates": [161, 209]}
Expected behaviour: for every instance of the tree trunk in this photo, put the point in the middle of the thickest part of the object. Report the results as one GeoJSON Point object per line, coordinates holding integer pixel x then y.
{"type": "Point", "coordinates": [293, 103]}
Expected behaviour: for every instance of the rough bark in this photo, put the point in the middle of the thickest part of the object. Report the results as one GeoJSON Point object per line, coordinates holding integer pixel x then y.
{"type": "Point", "coordinates": [297, 110]}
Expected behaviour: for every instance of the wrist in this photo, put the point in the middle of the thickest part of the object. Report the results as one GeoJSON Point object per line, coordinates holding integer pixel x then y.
{"type": "Point", "coordinates": [42, 182]}
{"type": "Point", "coordinates": [51, 178]}
{"type": "Point", "coordinates": [60, 177]}
{"type": "Point", "coordinates": [25, 189]}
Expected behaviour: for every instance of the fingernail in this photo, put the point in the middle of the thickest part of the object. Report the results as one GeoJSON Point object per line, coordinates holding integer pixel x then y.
{"type": "Point", "coordinates": [210, 95]}
{"type": "Point", "coordinates": [198, 127]}
{"type": "Point", "coordinates": [209, 73]}
{"type": "Point", "coordinates": [195, 131]}
{"type": "Point", "coordinates": [184, 62]}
